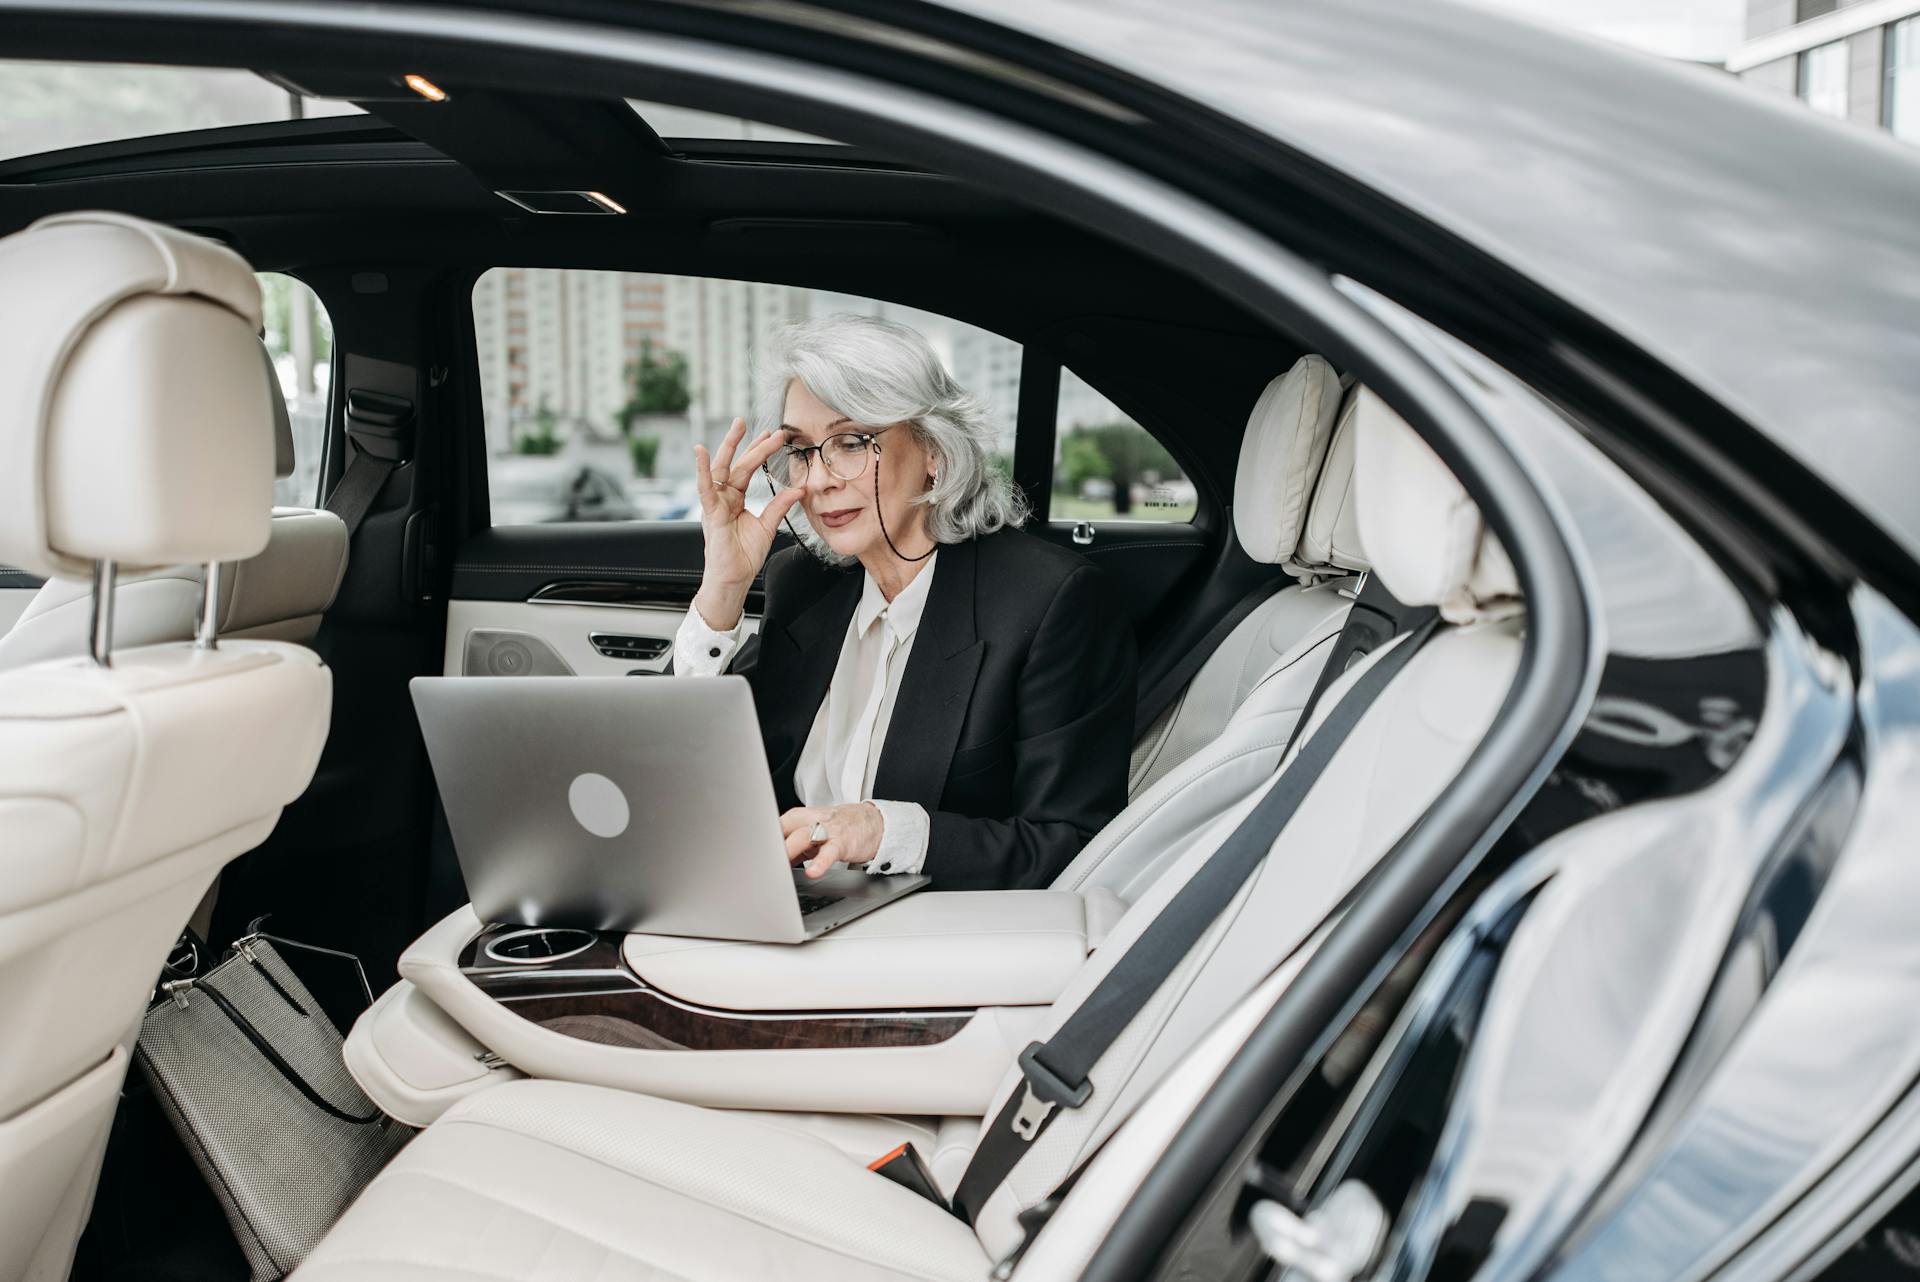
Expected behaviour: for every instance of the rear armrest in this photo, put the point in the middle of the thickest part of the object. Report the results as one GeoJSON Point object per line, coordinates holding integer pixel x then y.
{"type": "Point", "coordinates": [939, 991]}
{"type": "Point", "coordinates": [930, 950]}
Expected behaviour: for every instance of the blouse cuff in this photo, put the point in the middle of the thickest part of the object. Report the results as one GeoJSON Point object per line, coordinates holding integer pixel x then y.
{"type": "Point", "coordinates": [903, 838]}
{"type": "Point", "coordinates": [699, 650]}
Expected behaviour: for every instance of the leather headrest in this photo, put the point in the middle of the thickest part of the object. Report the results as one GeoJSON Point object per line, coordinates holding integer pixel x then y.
{"type": "Point", "coordinates": [1280, 457]}
{"type": "Point", "coordinates": [1426, 538]}
{"type": "Point", "coordinates": [136, 406]}
{"type": "Point", "coordinates": [280, 594]}
{"type": "Point", "coordinates": [1330, 539]}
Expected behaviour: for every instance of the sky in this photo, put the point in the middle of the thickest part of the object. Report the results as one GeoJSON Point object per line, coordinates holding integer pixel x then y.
{"type": "Point", "coordinates": [1698, 29]}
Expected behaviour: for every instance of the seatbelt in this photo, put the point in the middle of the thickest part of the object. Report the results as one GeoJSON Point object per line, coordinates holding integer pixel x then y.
{"type": "Point", "coordinates": [1056, 1070]}
{"type": "Point", "coordinates": [380, 428]}
{"type": "Point", "coordinates": [1375, 619]}
{"type": "Point", "coordinates": [1168, 687]}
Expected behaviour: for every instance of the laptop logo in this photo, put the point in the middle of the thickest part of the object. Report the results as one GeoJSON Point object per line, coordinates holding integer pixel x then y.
{"type": "Point", "coordinates": [599, 805]}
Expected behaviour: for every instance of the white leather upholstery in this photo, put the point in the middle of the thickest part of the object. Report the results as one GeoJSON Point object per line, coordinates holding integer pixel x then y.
{"type": "Point", "coordinates": [1293, 507]}
{"type": "Point", "coordinates": [549, 1182]}
{"type": "Point", "coordinates": [965, 949]}
{"type": "Point", "coordinates": [134, 329]}
{"type": "Point", "coordinates": [1330, 540]}
{"type": "Point", "coordinates": [1409, 744]}
{"type": "Point", "coordinates": [122, 789]}
{"type": "Point", "coordinates": [1276, 651]}
{"type": "Point", "coordinates": [1280, 456]}
{"type": "Point", "coordinates": [413, 1061]}
{"type": "Point", "coordinates": [952, 1077]}
{"type": "Point", "coordinates": [1429, 542]}
{"type": "Point", "coordinates": [279, 595]}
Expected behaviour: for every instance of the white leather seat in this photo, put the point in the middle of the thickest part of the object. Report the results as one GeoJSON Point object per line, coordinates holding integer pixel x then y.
{"type": "Point", "coordinates": [540, 1179]}
{"type": "Point", "coordinates": [136, 430]}
{"type": "Point", "coordinates": [1292, 508]}
{"type": "Point", "coordinates": [278, 595]}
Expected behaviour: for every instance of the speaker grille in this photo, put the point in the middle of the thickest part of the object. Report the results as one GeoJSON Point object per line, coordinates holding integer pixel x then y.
{"type": "Point", "coordinates": [501, 652]}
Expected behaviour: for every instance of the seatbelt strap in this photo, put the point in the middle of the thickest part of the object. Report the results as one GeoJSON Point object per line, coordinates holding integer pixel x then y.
{"type": "Point", "coordinates": [1156, 700]}
{"type": "Point", "coordinates": [380, 429]}
{"type": "Point", "coordinates": [1056, 1070]}
{"type": "Point", "coordinates": [352, 499]}
{"type": "Point", "coordinates": [1376, 618]}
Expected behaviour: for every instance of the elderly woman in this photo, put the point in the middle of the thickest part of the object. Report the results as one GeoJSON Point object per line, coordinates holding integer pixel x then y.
{"type": "Point", "coordinates": [939, 692]}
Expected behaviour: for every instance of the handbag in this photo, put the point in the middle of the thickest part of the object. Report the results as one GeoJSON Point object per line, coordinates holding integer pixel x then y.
{"type": "Point", "coordinates": [247, 1067]}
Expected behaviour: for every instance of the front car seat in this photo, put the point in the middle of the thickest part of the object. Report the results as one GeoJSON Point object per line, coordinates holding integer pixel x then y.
{"type": "Point", "coordinates": [136, 432]}
{"type": "Point", "coordinates": [278, 595]}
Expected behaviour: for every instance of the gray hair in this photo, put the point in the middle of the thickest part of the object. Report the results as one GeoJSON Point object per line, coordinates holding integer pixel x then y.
{"type": "Point", "coordinates": [878, 372]}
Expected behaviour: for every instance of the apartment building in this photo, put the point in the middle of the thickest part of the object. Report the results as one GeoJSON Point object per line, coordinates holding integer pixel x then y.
{"type": "Point", "coordinates": [1855, 60]}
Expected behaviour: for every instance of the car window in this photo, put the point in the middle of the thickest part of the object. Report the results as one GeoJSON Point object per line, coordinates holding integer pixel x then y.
{"type": "Point", "coordinates": [299, 336]}
{"type": "Point", "coordinates": [48, 106]}
{"type": "Point", "coordinates": [622, 373]}
{"type": "Point", "coordinates": [1108, 467]}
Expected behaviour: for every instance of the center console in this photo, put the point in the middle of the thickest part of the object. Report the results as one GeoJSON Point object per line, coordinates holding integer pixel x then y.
{"type": "Point", "coordinates": [925, 1003]}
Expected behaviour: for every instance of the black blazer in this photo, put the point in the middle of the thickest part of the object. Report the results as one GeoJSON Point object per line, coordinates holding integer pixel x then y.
{"type": "Point", "coordinates": [1014, 722]}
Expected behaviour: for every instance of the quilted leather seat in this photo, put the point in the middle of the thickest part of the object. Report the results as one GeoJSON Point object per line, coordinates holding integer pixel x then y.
{"type": "Point", "coordinates": [536, 1179]}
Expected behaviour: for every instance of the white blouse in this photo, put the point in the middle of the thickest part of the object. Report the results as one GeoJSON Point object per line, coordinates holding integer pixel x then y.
{"type": "Point", "coordinates": [842, 751]}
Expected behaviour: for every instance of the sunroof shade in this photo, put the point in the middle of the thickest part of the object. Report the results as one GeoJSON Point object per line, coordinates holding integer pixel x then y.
{"type": "Point", "coordinates": [684, 122]}
{"type": "Point", "coordinates": [49, 106]}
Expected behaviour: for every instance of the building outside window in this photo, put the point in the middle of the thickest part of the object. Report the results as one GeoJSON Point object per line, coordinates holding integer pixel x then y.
{"type": "Point", "coordinates": [1823, 79]}
{"type": "Point", "coordinates": [1901, 111]}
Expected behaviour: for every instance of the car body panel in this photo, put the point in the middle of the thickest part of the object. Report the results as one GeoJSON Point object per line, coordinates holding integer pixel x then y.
{"type": "Point", "coordinates": [1768, 255]}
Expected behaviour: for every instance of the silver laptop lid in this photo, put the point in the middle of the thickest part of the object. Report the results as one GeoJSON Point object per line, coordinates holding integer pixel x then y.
{"type": "Point", "coordinates": [611, 803]}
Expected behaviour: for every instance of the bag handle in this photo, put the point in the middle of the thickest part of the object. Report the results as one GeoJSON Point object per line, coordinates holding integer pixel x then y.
{"type": "Point", "coordinates": [272, 1056]}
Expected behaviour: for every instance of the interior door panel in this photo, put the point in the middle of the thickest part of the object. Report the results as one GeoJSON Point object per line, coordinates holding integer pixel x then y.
{"type": "Point", "coordinates": [527, 638]}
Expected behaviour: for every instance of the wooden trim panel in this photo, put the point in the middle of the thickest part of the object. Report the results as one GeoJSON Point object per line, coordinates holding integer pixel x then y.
{"type": "Point", "coordinates": [596, 997]}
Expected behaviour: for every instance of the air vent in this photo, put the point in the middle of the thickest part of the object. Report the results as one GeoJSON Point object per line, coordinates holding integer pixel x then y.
{"type": "Point", "coordinates": [564, 202]}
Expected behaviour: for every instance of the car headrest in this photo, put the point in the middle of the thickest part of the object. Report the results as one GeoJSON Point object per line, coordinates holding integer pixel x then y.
{"type": "Point", "coordinates": [279, 595]}
{"type": "Point", "coordinates": [1426, 538]}
{"type": "Point", "coordinates": [1280, 457]}
{"type": "Point", "coordinates": [1330, 538]}
{"type": "Point", "coordinates": [282, 421]}
{"type": "Point", "coordinates": [135, 398]}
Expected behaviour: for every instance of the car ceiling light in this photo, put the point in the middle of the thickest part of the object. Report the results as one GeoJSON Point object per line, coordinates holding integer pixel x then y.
{"type": "Point", "coordinates": [602, 198]}
{"type": "Point", "coordinates": [426, 88]}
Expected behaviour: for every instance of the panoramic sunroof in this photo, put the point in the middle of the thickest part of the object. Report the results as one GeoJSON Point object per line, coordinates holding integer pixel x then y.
{"type": "Point", "coordinates": [50, 106]}
{"type": "Point", "coordinates": [683, 122]}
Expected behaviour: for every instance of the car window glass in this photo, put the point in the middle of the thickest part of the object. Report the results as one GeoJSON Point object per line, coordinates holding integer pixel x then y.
{"type": "Point", "coordinates": [48, 106]}
{"type": "Point", "coordinates": [1108, 467]}
{"type": "Point", "coordinates": [299, 336]}
{"type": "Point", "coordinates": [622, 373]}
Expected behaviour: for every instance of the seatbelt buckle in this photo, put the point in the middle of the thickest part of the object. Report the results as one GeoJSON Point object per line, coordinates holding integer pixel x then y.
{"type": "Point", "coordinates": [1043, 1092]}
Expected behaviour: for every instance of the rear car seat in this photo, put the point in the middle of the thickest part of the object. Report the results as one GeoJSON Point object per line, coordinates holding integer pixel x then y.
{"type": "Point", "coordinates": [542, 1179]}
{"type": "Point", "coordinates": [278, 595]}
{"type": "Point", "coordinates": [1294, 507]}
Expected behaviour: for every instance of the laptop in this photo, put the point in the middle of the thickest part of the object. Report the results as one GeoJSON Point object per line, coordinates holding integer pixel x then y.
{"type": "Point", "coordinates": [625, 804]}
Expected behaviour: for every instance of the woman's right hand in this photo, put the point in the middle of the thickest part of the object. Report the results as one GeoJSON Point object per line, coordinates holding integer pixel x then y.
{"type": "Point", "coordinates": [737, 541]}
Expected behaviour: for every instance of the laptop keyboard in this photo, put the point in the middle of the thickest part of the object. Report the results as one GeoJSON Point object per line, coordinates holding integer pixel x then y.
{"type": "Point", "coordinates": [813, 903]}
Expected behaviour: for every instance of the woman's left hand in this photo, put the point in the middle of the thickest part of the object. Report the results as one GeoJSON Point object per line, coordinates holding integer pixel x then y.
{"type": "Point", "coordinates": [853, 835]}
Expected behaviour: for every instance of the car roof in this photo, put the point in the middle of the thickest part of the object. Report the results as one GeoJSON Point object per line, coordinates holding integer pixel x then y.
{"type": "Point", "coordinates": [1767, 255]}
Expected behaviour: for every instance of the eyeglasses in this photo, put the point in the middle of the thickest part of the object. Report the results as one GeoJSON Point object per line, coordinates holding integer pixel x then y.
{"type": "Point", "coordinates": [845, 455]}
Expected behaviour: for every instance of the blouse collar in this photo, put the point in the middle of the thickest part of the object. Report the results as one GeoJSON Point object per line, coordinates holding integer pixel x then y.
{"type": "Point", "coordinates": [903, 612]}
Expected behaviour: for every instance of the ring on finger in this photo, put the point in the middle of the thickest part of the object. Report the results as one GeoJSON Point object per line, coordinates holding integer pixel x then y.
{"type": "Point", "coordinates": [819, 834]}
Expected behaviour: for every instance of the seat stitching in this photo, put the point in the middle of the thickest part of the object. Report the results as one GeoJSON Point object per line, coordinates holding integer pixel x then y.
{"type": "Point", "coordinates": [645, 1179]}
{"type": "Point", "coordinates": [1156, 807]}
